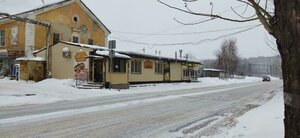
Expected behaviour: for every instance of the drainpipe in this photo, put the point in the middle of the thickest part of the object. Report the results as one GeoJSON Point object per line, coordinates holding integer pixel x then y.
{"type": "Point", "coordinates": [47, 50]}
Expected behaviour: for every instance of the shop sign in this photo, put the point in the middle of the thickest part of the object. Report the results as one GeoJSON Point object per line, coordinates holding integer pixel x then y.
{"type": "Point", "coordinates": [148, 64]}
{"type": "Point", "coordinates": [80, 56]}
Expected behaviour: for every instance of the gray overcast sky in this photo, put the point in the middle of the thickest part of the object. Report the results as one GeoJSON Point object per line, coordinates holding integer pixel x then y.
{"type": "Point", "coordinates": [152, 19]}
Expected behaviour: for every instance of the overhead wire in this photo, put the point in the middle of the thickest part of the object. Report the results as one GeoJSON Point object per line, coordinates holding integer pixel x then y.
{"type": "Point", "coordinates": [179, 26]}
{"type": "Point", "coordinates": [187, 33]}
{"type": "Point", "coordinates": [188, 43]}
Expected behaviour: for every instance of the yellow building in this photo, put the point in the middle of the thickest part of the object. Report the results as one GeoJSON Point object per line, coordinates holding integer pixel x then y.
{"type": "Point", "coordinates": [71, 20]}
{"type": "Point", "coordinates": [89, 63]}
{"type": "Point", "coordinates": [76, 47]}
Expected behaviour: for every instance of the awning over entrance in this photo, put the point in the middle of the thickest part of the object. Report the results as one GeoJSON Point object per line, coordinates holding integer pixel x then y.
{"type": "Point", "coordinates": [117, 55]}
{"type": "Point", "coordinates": [95, 57]}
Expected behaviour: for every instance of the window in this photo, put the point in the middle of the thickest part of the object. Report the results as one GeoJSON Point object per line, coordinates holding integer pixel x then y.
{"type": "Point", "coordinates": [158, 67]}
{"type": "Point", "coordinates": [56, 38]}
{"type": "Point", "coordinates": [136, 66]}
{"type": "Point", "coordinates": [185, 73]}
{"type": "Point", "coordinates": [75, 19]}
{"type": "Point", "coordinates": [75, 39]}
{"type": "Point", "coordinates": [91, 42]}
{"type": "Point", "coordinates": [2, 38]}
{"type": "Point", "coordinates": [119, 65]}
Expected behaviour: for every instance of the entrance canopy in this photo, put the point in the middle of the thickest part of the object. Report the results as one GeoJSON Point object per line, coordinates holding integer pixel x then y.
{"type": "Point", "coordinates": [117, 55]}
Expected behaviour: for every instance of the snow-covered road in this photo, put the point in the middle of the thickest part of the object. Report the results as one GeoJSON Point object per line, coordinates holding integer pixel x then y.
{"type": "Point", "coordinates": [13, 93]}
{"type": "Point", "coordinates": [156, 114]}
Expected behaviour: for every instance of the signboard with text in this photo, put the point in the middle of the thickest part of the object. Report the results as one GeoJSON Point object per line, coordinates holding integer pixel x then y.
{"type": "Point", "coordinates": [148, 64]}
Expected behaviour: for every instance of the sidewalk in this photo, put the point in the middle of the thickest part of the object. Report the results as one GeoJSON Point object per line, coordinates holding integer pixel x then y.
{"type": "Point", "coordinates": [265, 121]}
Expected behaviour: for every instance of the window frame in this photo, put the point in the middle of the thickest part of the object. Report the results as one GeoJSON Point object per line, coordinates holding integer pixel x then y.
{"type": "Point", "coordinates": [121, 63]}
{"type": "Point", "coordinates": [158, 67]}
{"type": "Point", "coordinates": [136, 66]}
{"type": "Point", "coordinates": [75, 39]}
{"type": "Point", "coordinates": [90, 42]}
{"type": "Point", "coordinates": [53, 37]}
{"type": "Point", "coordinates": [2, 38]}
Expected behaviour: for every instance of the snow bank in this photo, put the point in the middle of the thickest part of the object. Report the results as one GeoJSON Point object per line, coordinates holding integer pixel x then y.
{"type": "Point", "coordinates": [14, 93]}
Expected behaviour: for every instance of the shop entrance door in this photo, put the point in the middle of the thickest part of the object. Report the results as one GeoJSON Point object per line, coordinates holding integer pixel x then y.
{"type": "Point", "coordinates": [98, 71]}
{"type": "Point", "coordinates": [167, 71]}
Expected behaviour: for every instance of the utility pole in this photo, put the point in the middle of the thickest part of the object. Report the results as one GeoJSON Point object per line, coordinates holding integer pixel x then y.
{"type": "Point", "coordinates": [35, 22]}
{"type": "Point", "coordinates": [111, 47]}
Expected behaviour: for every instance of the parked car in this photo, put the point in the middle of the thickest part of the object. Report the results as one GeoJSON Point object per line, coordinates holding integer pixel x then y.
{"type": "Point", "coordinates": [266, 78]}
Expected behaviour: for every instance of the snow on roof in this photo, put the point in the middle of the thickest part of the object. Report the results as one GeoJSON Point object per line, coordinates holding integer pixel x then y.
{"type": "Point", "coordinates": [106, 53]}
{"type": "Point", "coordinates": [19, 8]}
{"type": "Point", "coordinates": [31, 59]}
{"type": "Point", "coordinates": [86, 45]}
{"type": "Point", "coordinates": [218, 70]}
{"type": "Point", "coordinates": [157, 56]}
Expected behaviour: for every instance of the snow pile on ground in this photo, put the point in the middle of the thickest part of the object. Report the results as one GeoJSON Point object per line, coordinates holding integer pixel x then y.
{"type": "Point", "coordinates": [265, 121]}
{"type": "Point", "coordinates": [13, 93]}
{"type": "Point", "coordinates": [203, 82]}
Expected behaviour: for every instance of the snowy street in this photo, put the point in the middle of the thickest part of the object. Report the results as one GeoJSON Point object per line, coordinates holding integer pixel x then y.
{"type": "Point", "coordinates": [193, 111]}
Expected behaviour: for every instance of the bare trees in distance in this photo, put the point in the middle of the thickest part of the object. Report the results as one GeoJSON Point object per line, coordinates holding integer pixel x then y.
{"type": "Point", "coordinates": [227, 56]}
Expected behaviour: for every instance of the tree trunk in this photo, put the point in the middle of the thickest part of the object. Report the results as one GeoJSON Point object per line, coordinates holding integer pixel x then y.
{"type": "Point", "coordinates": [286, 26]}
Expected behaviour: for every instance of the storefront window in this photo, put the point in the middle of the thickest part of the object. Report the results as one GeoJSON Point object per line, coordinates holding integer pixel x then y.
{"type": "Point", "coordinates": [158, 67]}
{"type": "Point", "coordinates": [119, 65]}
{"type": "Point", "coordinates": [136, 66]}
{"type": "Point", "coordinates": [186, 73]}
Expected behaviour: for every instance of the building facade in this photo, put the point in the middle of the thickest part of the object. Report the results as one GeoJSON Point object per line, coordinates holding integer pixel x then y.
{"type": "Point", "coordinates": [71, 20]}
{"type": "Point", "coordinates": [89, 63]}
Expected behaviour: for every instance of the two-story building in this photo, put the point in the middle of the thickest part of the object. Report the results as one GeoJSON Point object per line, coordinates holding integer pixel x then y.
{"type": "Point", "coordinates": [75, 47]}
{"type": "Point", "coordinates": [71, 20]}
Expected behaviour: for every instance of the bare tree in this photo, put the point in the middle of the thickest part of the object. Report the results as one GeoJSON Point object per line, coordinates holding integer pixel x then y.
{"type": "Point", "coordinates": [282, 21]}
{"type": "Point", "coordinates": [227, 56]}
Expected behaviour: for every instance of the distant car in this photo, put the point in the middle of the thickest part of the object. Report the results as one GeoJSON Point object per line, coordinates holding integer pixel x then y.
{"type": "Point", "coordinates": [266, 78]}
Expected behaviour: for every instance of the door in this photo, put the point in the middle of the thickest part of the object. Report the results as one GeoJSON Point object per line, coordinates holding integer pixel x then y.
{"type": "Point", "coordinates": [166, 71]}
{"type": "Point", "coordinates": [98, 71]}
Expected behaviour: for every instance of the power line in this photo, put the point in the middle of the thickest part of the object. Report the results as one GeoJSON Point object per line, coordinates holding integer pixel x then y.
{"type": "Point", "coordinates": [187, 43]}
{"type": "Point", "coordinates": [182, 25]}
{"type": "Point", "coordinates": [188, 33]}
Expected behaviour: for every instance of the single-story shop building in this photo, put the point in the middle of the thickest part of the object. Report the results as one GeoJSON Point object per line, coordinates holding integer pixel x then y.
{"type": "Point", "coordinates": [93, 64]}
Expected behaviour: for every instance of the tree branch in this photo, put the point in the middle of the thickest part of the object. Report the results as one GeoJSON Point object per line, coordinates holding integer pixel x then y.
{"type": "Point", "coordinates": [203, 21]}
{"type": "Point", "coordinates": [241, 15]}
{"type": "Point", "coordinates": [255, 5]}
{"type": "Point", "coordinates": [206, 15]}
{"type": "Point", "coordinates": [261, 17]}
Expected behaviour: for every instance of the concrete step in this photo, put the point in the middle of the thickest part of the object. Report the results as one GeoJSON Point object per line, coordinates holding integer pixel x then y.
{"type": "Point", "coordinates": [86, 87]}
{"type": "Point", "coordinates": [92, 85]}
